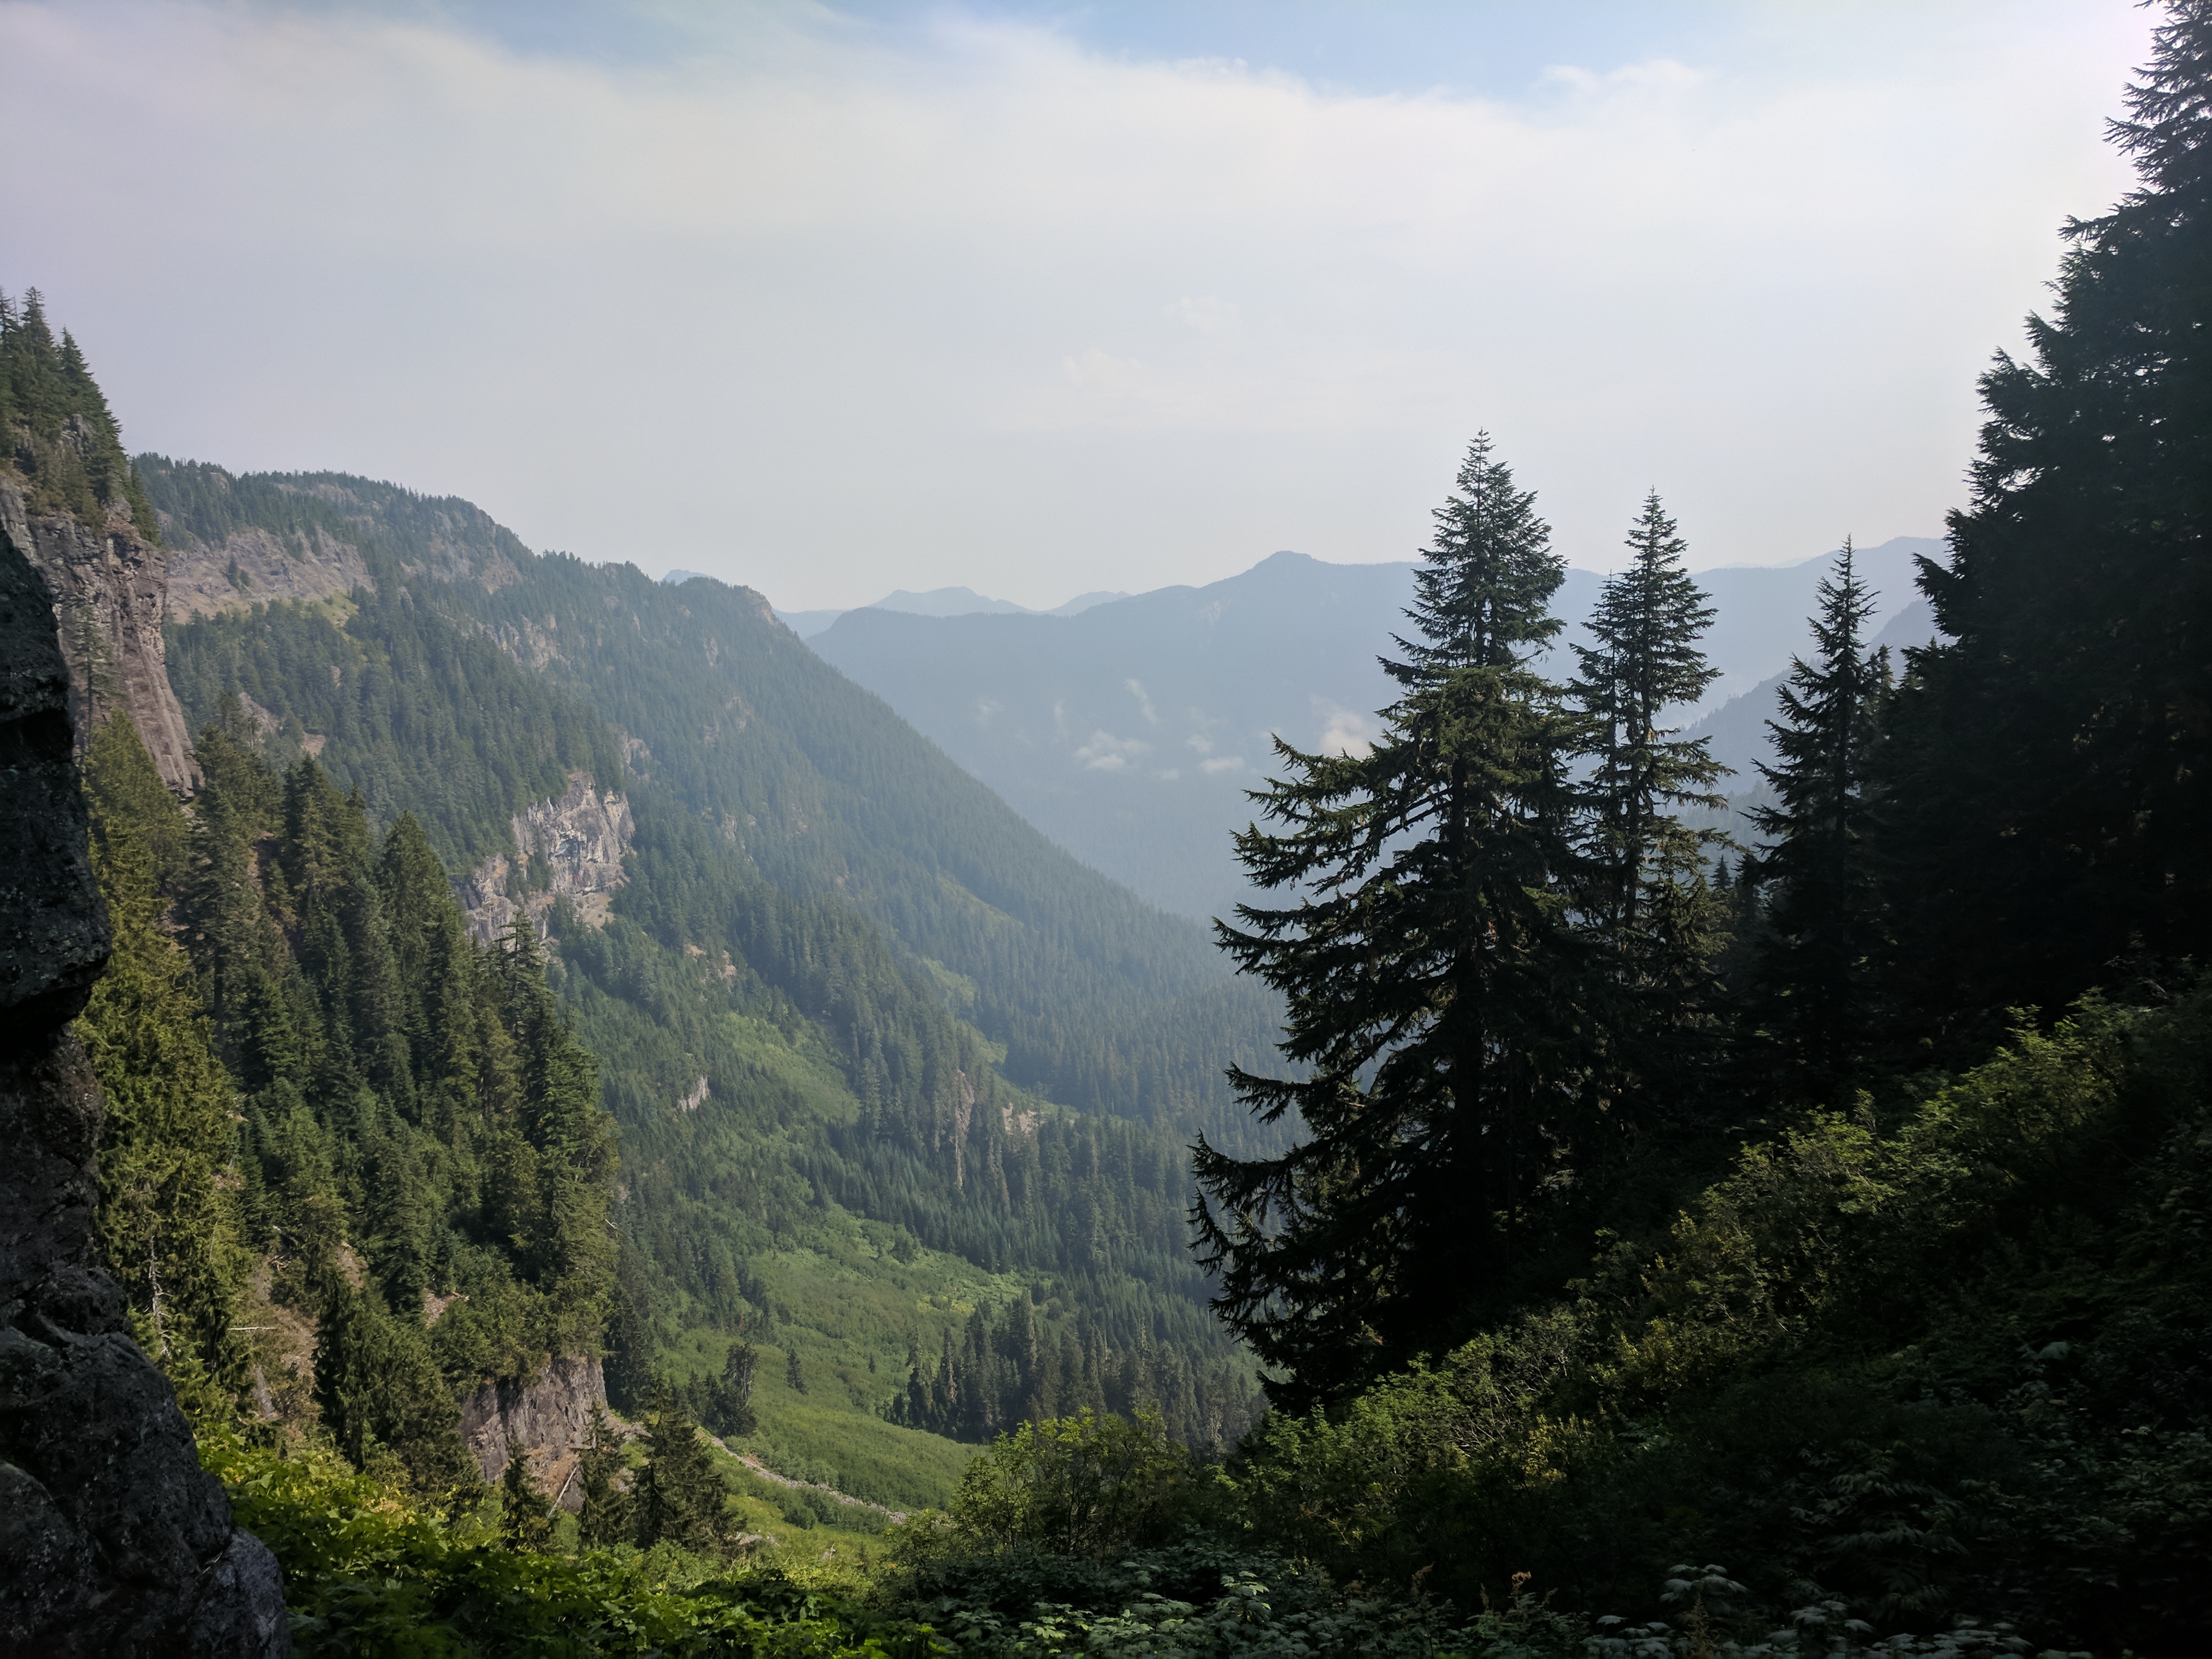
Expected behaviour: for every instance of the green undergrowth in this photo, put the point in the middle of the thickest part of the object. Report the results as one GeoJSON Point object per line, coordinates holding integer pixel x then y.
{"type": "Point", "coordinates": [369, 1573]}
{"type": "Point", "coordinates": [1938, 1364]}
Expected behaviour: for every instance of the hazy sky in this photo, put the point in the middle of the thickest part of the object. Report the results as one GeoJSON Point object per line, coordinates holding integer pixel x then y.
{"type": "Point", "coordinates": [831, 299]}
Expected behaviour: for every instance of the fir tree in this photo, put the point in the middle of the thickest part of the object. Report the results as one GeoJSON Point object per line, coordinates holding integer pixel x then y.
{"type": "Point", "coordinates": [1649, 899]}
{"type": "Point", "coordinates": [525, 1517]}
{"type": "Point", "coordinates": [681, 1498]}
{"type": "Point", "coordinates": [1442, 1000]}
{"type": "Point", "coordinates": [57, 433]}
{"type": "Point", "coordinates": [734, 1395]}
{"type": "Point", "coordinates": [1820, 945]}
{"type": "Point", "coordinates": [1646, 623]}
{"type": "Point", "coordinates": [609, 1516]}
{"type": "Point", "coordinates": [377, 1386]}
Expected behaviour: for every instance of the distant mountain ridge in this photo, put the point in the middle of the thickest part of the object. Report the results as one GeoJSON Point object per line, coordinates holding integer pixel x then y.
{"type": "Point", "coordinates": [936, 602]}
{"type": "Point", "coordinates": [1129, 732]}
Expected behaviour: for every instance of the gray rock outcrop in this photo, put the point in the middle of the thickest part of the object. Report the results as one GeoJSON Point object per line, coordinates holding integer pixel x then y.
{"type": "Point", "coordinates": [252, 566]}
{"type": "Point", "coordinates": [110, 589]}
{"type": "Point", "coordinates": [570, 848]}
{"type": "Point", "coordinates": [551, 1415]}
{"type": "Point", "coordinates": [113, 1540]}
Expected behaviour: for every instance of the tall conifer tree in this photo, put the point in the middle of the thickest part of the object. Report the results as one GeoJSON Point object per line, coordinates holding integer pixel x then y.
{"type": "Point", "coordinates": [680, 1496]}
{"type": "Point", "coordinates": [2052, 794]}
{"type": "Point", "coordinates": [1649, 898]}
{"type": "Point", "coordinates": [1818, 951]}
{"type": "Point", "coordinates": [1645, 660]}
{"type": "Point", "coordinates": [1439, 986]}
{"type": "Point", "coordinates": [609, 1516]}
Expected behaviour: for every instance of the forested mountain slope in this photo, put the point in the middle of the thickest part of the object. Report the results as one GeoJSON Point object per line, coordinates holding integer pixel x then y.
{"type": "Point", "coordinates": [819, 1152]}
{"type": "Point", "coordinates": [1100, 1001]}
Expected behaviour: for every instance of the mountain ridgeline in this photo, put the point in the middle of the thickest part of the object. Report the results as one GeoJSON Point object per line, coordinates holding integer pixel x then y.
{"type": "Point", "coordinates": [1130, 731]}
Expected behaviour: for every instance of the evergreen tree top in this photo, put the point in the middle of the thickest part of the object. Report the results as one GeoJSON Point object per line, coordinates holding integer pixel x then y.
{"type": "Point", "coordinates": [1825, 704]}
{"type": "Point", "coordinates": [2172, 106]}
{"type": "Point", "coordinates": [1652, 614]}
{"type": "Point", "coordinates": [1482, 594]}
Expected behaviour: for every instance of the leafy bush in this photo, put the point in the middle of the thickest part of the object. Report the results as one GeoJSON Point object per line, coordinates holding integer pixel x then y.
{"type": "Point", "coordinates": [369, 1573]}
{"type": "Point", "coordinates": [1089, 1485]}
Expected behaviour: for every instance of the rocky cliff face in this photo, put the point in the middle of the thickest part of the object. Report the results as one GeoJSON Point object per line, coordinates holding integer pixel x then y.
{"type": "Point", "coordinates": [551, 1415]}
{"type": "Point", "coordinates": [235, 541]}
{"type": "Point", "coordinates": [570, 848]}
{"type": "Point", "coordinates": [110, 591]}
{"type": "Point", "coordinates": [113, 1542]}
{"type": "Point", "coordinates": [252, 566]}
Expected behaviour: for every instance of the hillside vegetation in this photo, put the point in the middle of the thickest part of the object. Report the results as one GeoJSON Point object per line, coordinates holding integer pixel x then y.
{"type": "Point", "coordinates": [839, 1080]}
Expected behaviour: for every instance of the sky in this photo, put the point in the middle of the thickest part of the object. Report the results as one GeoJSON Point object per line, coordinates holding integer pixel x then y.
{"type": "Point", "coordinates": [831, 299]}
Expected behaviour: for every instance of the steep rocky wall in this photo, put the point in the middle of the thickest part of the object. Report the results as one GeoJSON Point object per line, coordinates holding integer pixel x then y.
{"type": "Point", "coordinates": [251, 566]}
{"type": "Point", "coordinates": [113, 1540]}
{"type": "Point", "coordinates": [570, 848]}
{"type": "Point", "coordinates": [109, 590]}
{"type": "Point", "coordinates": [551, 1415]}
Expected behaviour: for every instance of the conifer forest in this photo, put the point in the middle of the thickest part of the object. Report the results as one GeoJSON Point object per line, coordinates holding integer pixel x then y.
{"type": "Point", "coordinates": [619, 1145]}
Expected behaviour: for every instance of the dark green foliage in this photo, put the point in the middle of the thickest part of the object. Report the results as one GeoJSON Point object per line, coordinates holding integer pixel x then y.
{"type": "Point", "coordinates": [413, 1096]}
{"type": "Point", "coordinates": [681, 1498]}
{"type": "Point", "coordinates": [1445, 1012]}
{"type": "Point", "coordinates": [1645, 661]}
{"type": "Point", "coordinates": [734, 1399]}
{"type": "Point", "coordinates": [1093, 1535]}
{"type": "Point", "coordinates": [381, 1396]}
{"type": "Point", "coordinates": [1957, 1367]}
{"type": "Point", "coordinates": [2050, 763]}
{"type": "Point", "coordinates": [368, 1572]}
{"type": "Point", "coordinates": [525, 1517]}
{"type": "Point", "coordinates": [609, 1516]}
{"type": "Point", "coordinates": [419, 718]}
{"type": "Point", "coordinates": [57, 437]}
{"type": "Point", "coordinates": [1660, 925]}
{"type": "Point", "coordinates": [1819, 945]}
{"type": "Point", "coordinates": [1014, 1369]}
{"type": "Point", "coordinates": [723, 1402]}
{"type": "Point", "coordinates": [1080, 1485]}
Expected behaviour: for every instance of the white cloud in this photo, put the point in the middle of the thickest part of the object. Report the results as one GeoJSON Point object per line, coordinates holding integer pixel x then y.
{"type": "Point", "coordinates": [1221, 763]}
{"type": "Point", "coordinates": [1207, 315]}
{"type": "Point", "coordinates": [1343, 730]}
{"type": "Point", "coordinates": [830, 308]}
{"type": "Point", "coordinates": [1105, 752]}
